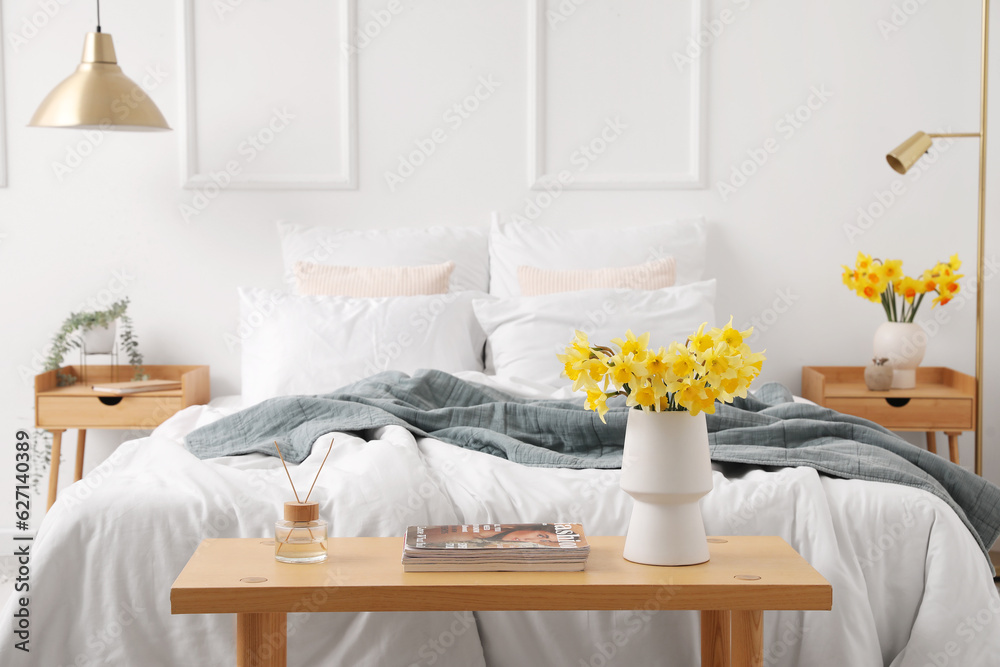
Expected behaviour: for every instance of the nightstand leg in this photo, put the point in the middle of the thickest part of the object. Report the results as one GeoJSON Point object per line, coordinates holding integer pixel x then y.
{"type": "Point", "coordinates": [748, 638]}
{"type": "Point", "coordinates": [54, 466]}
{"type": "Point", "coordinates": [81, 442]}
{"type": "Point", "coordinates": [953, 445]}
{"type": "Point", "coordinates": [715, 647]}
{"type": "Point", "coordinates": [932, 442]}
{"type": "Point", "coordinates": [261, 640]}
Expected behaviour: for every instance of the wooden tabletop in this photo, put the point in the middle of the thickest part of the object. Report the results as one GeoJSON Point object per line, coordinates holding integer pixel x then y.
{"type": "Point", "coordinates": [365, 574]}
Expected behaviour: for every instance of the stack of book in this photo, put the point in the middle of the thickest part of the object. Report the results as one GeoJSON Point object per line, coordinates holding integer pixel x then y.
{"type": "Point", "coordinates": [494, 547]}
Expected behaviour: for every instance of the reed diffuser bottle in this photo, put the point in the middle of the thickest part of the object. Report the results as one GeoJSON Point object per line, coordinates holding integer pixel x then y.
{"type": "Point", "coordinates": [302, 536]}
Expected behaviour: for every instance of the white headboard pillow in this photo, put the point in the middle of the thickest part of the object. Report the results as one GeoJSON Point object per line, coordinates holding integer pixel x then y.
{"type": "Point", "coordinates": [514, 244]}
{"type": "Point", "coordinates": [524, 334]}
{"type": "Point", "coordinates": [316, 344]}
{"type": "Point", "coordinates": [465, 246]}
{"type": "Point", "coordinates": [371, 281]}
{"type": "Point", "coordinates": [657, 274]}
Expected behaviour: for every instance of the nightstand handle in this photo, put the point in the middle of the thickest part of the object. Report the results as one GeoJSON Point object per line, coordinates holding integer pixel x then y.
{"type": "Point", "coordinates": [115, 400]}
{"type": "Point", "coordinates": [897, 402]}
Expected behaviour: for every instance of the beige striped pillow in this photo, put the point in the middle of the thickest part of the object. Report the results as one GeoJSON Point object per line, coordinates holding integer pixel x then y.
{"type": "Point", "coordinates": [371, 281]}
{"type": "Point", "coordinates": [651, 275]}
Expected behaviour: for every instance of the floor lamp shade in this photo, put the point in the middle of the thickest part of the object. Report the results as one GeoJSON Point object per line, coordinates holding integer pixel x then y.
{"type": "Point", "coordinates": [907, 153]}
{"type": "Point", "coordinates": [99, 96]}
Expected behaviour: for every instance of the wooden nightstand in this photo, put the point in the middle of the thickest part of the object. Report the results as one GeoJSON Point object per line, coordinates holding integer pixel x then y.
{"type": "Point", "coordinates": [943, 400]}
{"type": "Point", "coordinates": [78, 406]}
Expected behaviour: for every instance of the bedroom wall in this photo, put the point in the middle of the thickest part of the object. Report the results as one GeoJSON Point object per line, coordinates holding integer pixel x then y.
{"type": "Point", "coordinates": [802, 100]}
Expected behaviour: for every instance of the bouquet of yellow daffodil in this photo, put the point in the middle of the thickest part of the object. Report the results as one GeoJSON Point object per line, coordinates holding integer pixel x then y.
{"type": "Point", "coordinates": [708, 366]}
{"type": "Point", "coordinates": [901, 296]}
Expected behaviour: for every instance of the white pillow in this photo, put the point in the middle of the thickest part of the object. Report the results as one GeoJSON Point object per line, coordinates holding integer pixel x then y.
{"type": "Point", "coordinates": [316, 344]}
{"type": "Point", "coordinates": [514, 244]}
{"type": "Point", "coordinates": [524, 334]}
{"type": "Point", "coordinates": [466, 246]}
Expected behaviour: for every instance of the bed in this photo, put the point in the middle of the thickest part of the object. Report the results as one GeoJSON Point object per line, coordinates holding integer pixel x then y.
{"type": "Point", "coordinates": [911, 584]}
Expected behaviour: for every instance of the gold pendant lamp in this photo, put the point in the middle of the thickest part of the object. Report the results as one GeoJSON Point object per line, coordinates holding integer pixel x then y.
{"type": "Point", "coordinates": [98, 95]}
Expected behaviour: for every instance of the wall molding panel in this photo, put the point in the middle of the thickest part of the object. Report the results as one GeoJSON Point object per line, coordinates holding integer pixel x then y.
{"type": "Point", "coordinates": [540, 171]}
{"type": "Point", "coordinates": [343, 174]}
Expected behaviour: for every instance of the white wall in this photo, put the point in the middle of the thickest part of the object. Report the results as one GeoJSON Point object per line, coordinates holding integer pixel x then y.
{"type": "Point", "coordinates": [67, 238]}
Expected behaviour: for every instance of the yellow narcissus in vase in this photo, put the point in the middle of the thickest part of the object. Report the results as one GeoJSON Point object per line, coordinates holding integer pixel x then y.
{"type": "Point", "coordinates": [883, 281]}
{"type": "Point", "coordinates": [710, 366]}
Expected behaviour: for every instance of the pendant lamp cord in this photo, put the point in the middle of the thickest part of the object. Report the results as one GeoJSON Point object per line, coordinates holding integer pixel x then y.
{"type": "Point", "coordinates": [98, 15]}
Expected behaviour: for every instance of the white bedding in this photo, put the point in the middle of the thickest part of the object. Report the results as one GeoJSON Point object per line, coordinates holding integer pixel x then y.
{"type": "Point", "coordinates": [911, 588]}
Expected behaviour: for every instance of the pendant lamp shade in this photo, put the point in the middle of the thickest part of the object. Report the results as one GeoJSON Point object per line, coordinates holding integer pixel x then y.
{"type": "Point", "coordinates": [99, 96]}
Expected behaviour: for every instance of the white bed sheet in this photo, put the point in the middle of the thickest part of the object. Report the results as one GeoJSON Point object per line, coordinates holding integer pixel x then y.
{"type": "Point", "coordinates": [911, 588]}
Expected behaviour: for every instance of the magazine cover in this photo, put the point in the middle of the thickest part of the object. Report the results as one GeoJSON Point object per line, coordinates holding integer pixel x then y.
{"type": "Point", "coordinates": [497, 536]}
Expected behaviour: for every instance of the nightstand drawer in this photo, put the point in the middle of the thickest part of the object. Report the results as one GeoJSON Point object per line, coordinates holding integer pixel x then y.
{"type": "Point", "coordinates": [145, 412]}
{"type": "Point", "coordinates": [918, 414]}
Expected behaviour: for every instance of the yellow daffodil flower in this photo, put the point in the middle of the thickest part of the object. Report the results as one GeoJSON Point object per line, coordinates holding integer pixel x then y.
{"type": "Point", "coordinates": [597, 401]}
{"type": "Point", "coordinates": [893, 270]}
{"type": "Point", "coordinates": [631, 344]}
{"type": "Point", "coordinates": [701, 341]}
{"type": "Point", "coordinates": [863, 262]}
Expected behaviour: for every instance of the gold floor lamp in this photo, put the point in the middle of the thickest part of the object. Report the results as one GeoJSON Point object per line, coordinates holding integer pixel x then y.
{"type": "Point", "coordinates": [906, 155]}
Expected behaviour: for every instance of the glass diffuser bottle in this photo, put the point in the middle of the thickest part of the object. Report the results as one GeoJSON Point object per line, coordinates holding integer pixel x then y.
{"type": "Point", "coordinates": [301, 537]}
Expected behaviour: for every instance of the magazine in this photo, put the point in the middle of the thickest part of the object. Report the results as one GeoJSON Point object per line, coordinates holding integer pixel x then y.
{"type": "Point", "coordinates": [495, 547]}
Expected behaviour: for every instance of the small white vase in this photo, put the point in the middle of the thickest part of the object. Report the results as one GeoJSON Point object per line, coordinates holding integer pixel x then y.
{"type": "Point", "coordinates": [904, 345]}
{"type": "Point", "coordinates": [666, 469]}
{"type": "Point", "coordinates": [99, 340]}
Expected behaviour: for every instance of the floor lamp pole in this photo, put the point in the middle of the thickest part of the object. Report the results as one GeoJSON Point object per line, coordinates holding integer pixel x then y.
{"type": "Point", "coordinates": [981, 237]}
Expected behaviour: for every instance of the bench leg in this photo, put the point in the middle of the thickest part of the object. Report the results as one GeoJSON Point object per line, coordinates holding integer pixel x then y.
{"type": "Point", "coordinates": [748, 638]}
{"type": "Point", "coordinates": [261, 640]}
{"type": "Point", "coordinates": [715, 638]}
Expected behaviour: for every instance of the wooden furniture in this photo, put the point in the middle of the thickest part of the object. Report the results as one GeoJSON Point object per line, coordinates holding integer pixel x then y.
{"type": "Point", "coordinates": [80, 407]}
{"type": "Point", "coordinates": [745, 576]}
{"type": "Point", "coordinates": [943, 400]}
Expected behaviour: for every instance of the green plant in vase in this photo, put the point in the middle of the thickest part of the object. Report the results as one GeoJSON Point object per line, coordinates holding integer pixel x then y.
{"type": "Point", "coordinates": [69, 337]}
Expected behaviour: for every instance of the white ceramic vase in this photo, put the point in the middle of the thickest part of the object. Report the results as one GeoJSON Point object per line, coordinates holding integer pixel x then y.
{"type": "Point", "coordinates": [903, 344]}
{"type": "Point", "coordinates": [99, 340]}
{"type": "Point", "coordinates": [666, 469]}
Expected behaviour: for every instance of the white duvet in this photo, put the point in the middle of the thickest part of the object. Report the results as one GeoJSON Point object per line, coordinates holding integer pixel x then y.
{"type": "Point", "coordinates": [910, 586]}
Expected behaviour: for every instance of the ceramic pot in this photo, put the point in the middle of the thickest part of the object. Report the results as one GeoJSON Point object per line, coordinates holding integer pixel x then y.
{"type": "Point", "coordinates": [666, 469]}
{"type": "Point", "coordinates": [903, 344]}
{"type": "Point", "coordinates": [878, 377]}
{"type": "Point", "coordinates": [99, 340]}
